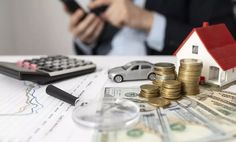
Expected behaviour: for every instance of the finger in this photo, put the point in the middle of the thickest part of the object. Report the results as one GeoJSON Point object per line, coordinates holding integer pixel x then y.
{"type": "Point", "coordinates": [81, 28]}
{"type": "Point", "coordinates": [98, 3]}
{"type": "Point", "coordinates": [99, 29]}
{"type": "Point", "coordinates": [76, 18]}
{"type": "Point", "coordinates": [88, 35]}
{"type": "Point", "coordinates": [114, 18]}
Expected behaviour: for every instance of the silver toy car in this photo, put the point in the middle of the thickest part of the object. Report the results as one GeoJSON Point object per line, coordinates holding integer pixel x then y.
{"type": "Point", "coordinates": [136, 70]}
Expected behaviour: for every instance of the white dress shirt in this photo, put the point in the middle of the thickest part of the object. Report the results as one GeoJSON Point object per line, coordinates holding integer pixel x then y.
{"type": "Point", "coordinates": [129, 41]}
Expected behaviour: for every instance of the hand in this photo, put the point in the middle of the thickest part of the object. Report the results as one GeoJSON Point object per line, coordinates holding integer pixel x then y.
{"type": "Point", "coordinates": [87, 29]}
{"type": "Point", "coordinates": [125, 13]}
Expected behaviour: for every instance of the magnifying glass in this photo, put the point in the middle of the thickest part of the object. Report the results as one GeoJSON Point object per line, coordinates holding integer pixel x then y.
{"type": "Point", "coordinates": [106, 115]}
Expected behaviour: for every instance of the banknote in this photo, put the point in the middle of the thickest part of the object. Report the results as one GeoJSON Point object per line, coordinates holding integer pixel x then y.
{"type": "Point", "coordinates": [224, 103]}
{"type": "Point", "coordinates": [187, 120]}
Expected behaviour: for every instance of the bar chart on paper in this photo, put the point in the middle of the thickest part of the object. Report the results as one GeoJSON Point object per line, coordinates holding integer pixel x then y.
{"type": "Point", "coordinates": [27, 113]}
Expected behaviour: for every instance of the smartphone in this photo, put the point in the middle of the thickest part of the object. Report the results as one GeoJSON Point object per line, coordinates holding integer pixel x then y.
{"type": "Point", "coordinates": [73, 5]}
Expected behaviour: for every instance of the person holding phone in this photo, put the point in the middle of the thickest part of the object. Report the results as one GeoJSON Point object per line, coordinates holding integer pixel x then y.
{"type": "Point", "coordinates": [144, 27]}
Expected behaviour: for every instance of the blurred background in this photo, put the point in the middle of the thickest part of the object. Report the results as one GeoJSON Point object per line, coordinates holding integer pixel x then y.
{"type": "Point", "coordinates": [35, 27]}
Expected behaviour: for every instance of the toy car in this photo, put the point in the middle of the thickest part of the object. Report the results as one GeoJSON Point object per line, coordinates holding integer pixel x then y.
{"type": "Point", "coordinates": [136, 70]}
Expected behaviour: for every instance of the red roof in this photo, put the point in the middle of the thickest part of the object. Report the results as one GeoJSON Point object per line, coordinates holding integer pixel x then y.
{"type": "Point", "coordinates": [219, 43]}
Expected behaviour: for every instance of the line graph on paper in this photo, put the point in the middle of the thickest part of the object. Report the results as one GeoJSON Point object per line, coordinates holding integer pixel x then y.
{"type": "Point", "coordinates": [27, 113]}
{"type": "Point", "coordinates": [21, 101]}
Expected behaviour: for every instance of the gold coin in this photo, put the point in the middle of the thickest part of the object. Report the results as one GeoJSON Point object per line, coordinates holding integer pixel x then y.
{"type": "Point", "coordinates": [170, 93]}
{"type": "Point", "coordinates": [164, 66]}
{"type": "Point", "coordinates": [149, 95]}
{"type": "Point", "coordinates": [191, 62]}
{"type": "Point", "coordinates": [166, 77]}
{"type": "Point", "coordinates": [171, 84]}
{"type": "Point", "coordinates": [191, 85]}
{"type": "Point", "coordinates": [189, 74]}
{"type": "Point", "coordinates": [149, 87]}
{"type": "Point", "coordinates": [190, 68]}
{"type": "Point", "coordinates": [188, 77]}
{"type": "Point", "coordinates": [191, 94]}
{"type": "Point", "coordinates": [186, 82]}
{"type": "Point", "coordinates": [172, 98]}
{"type": "Point", "coordinates": [159, 102]}
{"type": "Point", "coordinates": [164, 72]}
{"type": "Point", "coordinates": [157, 83]}
{"type": "Point", "coordinates": [190, 89]}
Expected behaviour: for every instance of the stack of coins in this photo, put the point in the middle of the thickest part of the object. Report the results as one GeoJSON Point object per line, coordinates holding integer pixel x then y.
{"type": "Point", "coordinates": [171, 89]}
{"type": "Point", "coordinates": [164, 71]}
{"type": "Point", "coordinates": [189, 74]}
{"type": "Point", "coordinates": [149, 91]}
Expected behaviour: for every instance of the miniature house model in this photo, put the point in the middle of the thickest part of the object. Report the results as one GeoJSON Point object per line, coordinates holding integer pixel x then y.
{"type": "Point", "coordinates": [216, 47]}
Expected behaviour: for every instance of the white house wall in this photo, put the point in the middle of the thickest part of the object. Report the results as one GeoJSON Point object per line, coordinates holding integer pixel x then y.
{"type": "Point", "coordinates": [186, 52]}
{"type": "Point", "coordinates": [231, 76]}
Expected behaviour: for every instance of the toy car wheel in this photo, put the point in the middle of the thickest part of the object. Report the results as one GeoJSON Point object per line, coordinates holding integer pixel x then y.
{"type": "Point", "coordinates": [118, 78]}
{"type": "Point", "coordinates": [152, 76]}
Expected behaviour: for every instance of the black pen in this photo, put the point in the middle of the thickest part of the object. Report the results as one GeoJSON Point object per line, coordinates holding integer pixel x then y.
{"type": "Point", "coordinates": [61, 95]}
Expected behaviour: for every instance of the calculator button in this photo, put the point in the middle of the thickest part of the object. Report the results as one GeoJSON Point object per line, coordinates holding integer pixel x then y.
{"type": "Point", "coordinates": [72, 65]}
{"type": "Point", "coordinates": [64, 66]}
{"type": "Point", "coordinates": [56, 61]}
{"type": "Point", "coordinates": [48, 62]}
{"type": "Point", "coordinates": [20, 63]}
{"type": "Point", "coordinates": [26, 65]}
{"type": "Point", "coordinates": [42, 59]}
{"type": "Point", "coordinates": [56, 64]}
{"type": "Point", "coordinates": [41, 63]}
{"type": "Point", "coordinates": [33, 67]}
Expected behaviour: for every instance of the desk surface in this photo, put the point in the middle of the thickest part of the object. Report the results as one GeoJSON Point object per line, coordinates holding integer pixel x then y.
{"type": "Point", "coordinates": [61, 128]}
{"type": "Point", "coordinates": [28, 114]}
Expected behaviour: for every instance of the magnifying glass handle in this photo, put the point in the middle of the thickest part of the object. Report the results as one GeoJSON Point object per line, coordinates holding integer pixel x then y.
{"type": "Point", "coordinates": [60, 94]}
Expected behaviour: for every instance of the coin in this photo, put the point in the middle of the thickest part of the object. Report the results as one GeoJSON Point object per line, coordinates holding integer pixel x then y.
{"type": "Point", "coordinates": [166, 77]}
{"type": "Point", "coordinates": [164, 67]}
{"type": "Point", "coordinates": [165, 72]}
{"type": "Point", "coordinates": [149, 95]}
{"type": "Point", "coordinates": [172, 84]}
{"type": "Point", "coordinates": [149, 87]}
{"type": "Point", "coordinates": [172, 98]}
{"type": "Point", "coordinates": [149, 90]}
{"type": "Point", "coordinates": [159, 102]}
{"type": "Point", "coordinates": [190, 74]}
{"type": "Point", "coordinates": [191, 62]}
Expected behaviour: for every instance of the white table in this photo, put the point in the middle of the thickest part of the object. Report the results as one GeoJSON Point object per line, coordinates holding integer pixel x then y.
{"type": "Point", "coordinates": [66, 130]}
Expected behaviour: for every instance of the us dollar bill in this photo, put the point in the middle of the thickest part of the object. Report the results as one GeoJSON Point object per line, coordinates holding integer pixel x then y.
{"type": "Point", "coordinates": [224, 103]}
{"type": "Point", "coordinates": [187, 120]}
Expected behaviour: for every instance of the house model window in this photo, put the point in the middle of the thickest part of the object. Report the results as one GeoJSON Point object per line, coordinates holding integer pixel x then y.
{"type": "Point", "coordinates": [195, 49]}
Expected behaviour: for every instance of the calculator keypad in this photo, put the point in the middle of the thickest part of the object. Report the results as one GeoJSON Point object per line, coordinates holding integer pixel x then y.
{"type": "Point", "coordinates": [53, 63]}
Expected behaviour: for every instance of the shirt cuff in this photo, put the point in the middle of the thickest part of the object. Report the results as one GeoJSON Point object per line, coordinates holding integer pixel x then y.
{"type": "Point", "coordinates": [156, 36]}
{"type": "Point", "coordinates": [86, 48]}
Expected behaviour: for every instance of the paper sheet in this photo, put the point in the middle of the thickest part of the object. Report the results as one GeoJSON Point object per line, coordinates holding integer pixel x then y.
{"type": "Point", "coordinates": [28, 114]}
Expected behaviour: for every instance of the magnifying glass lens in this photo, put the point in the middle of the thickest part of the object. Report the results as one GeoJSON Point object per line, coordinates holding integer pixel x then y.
{"type": "Point", "coordinates": [111, 114]}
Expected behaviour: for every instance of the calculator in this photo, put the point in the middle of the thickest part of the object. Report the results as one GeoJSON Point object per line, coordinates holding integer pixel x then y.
{"type": "Point", "coordinates": [48, 69]}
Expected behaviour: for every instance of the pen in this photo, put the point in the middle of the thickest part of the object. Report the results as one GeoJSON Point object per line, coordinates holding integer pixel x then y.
{"type": "Point", "coordinates": [61, 95]}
